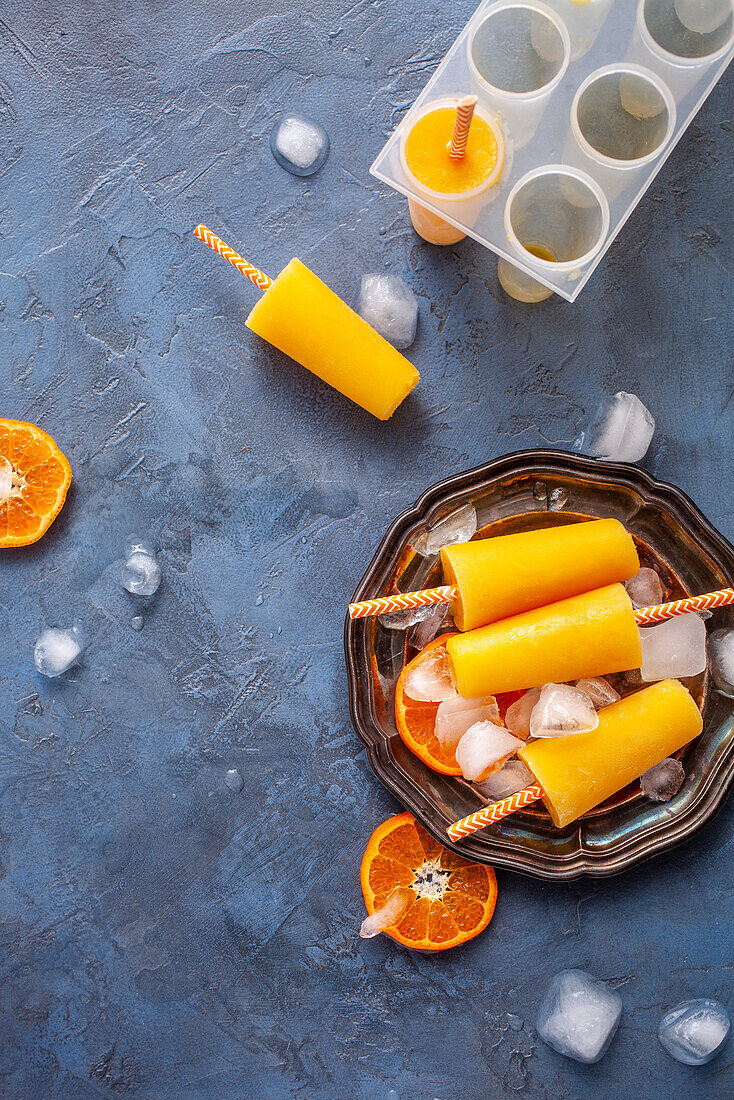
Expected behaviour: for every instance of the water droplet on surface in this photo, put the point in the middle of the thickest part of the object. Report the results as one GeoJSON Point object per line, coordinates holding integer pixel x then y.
{"type": "Point", "coordinates": [540, 492]}
{"type": "Point", "coordinates": [234, 780]}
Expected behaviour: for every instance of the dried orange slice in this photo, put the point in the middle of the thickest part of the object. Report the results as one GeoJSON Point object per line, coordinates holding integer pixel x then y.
{"type": "Point", "coordinates": [34, 479]}
{"type": "Point", "coordinates": [416, 721]}
{"type": "Point", "coordinates": [453, 898]}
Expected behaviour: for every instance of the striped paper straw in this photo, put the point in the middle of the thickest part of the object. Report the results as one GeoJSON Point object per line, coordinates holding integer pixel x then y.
{"type": "Point", "coordinates": [259, 278]}
{"type": "Point", "coordinates": [402, 601]}
{"type": "Point", "coordinates": [489, 814]}
{"type": "Point", "coordinates": [662, 611]}
{"type": "Point", "coordinates": [464, 111]}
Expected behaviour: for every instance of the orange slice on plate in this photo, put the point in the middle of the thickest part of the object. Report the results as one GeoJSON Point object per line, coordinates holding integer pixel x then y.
{"type": "Point", "coordinates": [451, 899]}
{"type": "Point", "coordinates": [416, 721]}
{"type": "Point", "coordinates": [34, 479]}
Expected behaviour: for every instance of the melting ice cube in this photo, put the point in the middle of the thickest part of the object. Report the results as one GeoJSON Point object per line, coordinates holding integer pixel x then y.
{"type": "Point", "coordinates": [645, 589]}
{"type": "Point", "coordinates": [579, 1016]}
{"type": "Point", "coordinates": [511, 778]}
{"type": "Point", "coordinates": [624, 431]}
{"type": "Point", "coordinates": [6, 479]}
{"type": "Point", "coordinates": [389, 914]}
{"type": "Point", "coordinates": [695, 1031]}
{"type": "Point", "coordinates": [557, 499]}
{"type": "Point", "coordinates": [456, 715]}
{"type": "Point", "coordinates": [562, 710]}
{"type": "Point", "coordinates": [721, 656]}
{"type": "Point", "coordinates": [141, 573]}
{"type": "Point", "coordinates": [430, 680]}
{"type": "Point", "coordinates": [599, 690]}
{"type": "Point", "coordinates": [430, 626]}
{"type": "Point", "coordinates": [299, 145]}
{"type": "Point", "coordinates": [57, 650]}
{"type": "Point", "coordinates": [675, 648]}
{"type": "Point", "coordinates": [390, 306]}
{"type": "Point", "coordinates": [460, 526]}
{"type": "Point", "coordinates": [401, 620]}
{"type": "Point", "coordinates": [518, 714]}
{"type": "Point", "coordinates": [664, 780]}
{"type": "Point", "coordinates": [484, 747]}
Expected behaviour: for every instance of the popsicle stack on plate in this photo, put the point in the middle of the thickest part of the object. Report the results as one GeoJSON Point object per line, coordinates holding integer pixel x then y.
{"type": "Point", "coordinates": [549, 607]}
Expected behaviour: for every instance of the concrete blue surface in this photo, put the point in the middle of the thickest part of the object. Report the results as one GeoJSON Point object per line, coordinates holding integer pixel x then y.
{"type": "Point", "coordinates": [162, 936]}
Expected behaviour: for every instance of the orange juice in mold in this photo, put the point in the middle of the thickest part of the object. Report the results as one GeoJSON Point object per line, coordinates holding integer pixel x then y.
{"type": "Point", "coordinates": [425, 159]}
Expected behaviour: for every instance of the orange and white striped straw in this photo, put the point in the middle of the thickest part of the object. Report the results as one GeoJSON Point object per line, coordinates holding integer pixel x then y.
{"type": "Point", "coordinates": [495, 812]}
{"type": "Point", "coordinates": [402, 601]}
{"type": "Point", "coordinates": [644, 616]}
{"type": "Point", "coordinates": [464, 113]}
{"type": "Point", "coordinates": [259, 278]}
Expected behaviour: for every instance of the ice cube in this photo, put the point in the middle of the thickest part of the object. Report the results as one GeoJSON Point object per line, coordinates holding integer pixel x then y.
{"type": "Point", "coordinates": [645, 589]}
{"type": "Point", "coordinates": [401, 620]}
{"type": "Point", "coordinates": [721, 656]}
{"type": "Point", "coordinates": [511, 778]}
{"type": "Point", "coordinates": [517, 718]}
{"type": "Point", "coordinates": [389, 914]}
{"type": "Point", "coordinates": [430, 626]}
{"type": "Point", "coordinates": [430, 680]}
{"type": "Point", "coordinates": [141, 573]}
{"type": "Point", "coordinates": [579, 1016]}
{"type": "Point", "coordinates": [695, 1031]}
{"type": "Point", "coordinates": [664, 780]}
{"type": "Point", "coordinates": [599, 690]}
{"type": "Point", "coordinates": [483, 748]}
{"type": "Point", "coordinates": [390, 306]}
{"type": "Point", "coordinates": [562, 710]}
{"type": "Point", "coordinates": [137, 622]}
{"type": "Point", "coordinates": [702, 16]}
{"type": "Point", "coordinates": [57, 650]}
{"type": "Point", "coordinates": [624, 431]}
{"type": "Point", "coordinates": [460, 526]}
{"type": "Point", "coordinates": [456, 715]}
{"type": "Point", "coordinates": [6, 479]}
{"type": "Point", "coordinates": [299, 145]}
{"type": "Point", "coordinates": [675, 648]}
{"type": "Point", "coordinates": [557, 499]}
{"type": "Point", "coordinates": [234, 780]}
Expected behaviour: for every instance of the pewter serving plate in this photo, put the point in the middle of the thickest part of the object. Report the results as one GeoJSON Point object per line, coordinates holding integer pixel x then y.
{"type": "Point", "coordinates": [510, 494]}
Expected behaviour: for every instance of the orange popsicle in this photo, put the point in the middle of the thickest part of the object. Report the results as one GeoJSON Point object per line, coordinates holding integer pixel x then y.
{"type": "Point", "coordinates": [300, 316]}
{"type": "Point", "coordinates": [586, 635]}
{"type": "Point", "coordinates": [426, 161]}
{"type": "Point", "coordinates": [505, 575]}
{"type": "Point", "coordinates": [580, 771]}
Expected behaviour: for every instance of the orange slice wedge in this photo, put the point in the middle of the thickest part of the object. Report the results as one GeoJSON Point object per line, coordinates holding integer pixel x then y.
{"type": "Point", "coordinates": [34, 479]}
{"type": "Point", "coordinates": [453, 899]}
{"type": "Point", "coordinates": [416, 721]}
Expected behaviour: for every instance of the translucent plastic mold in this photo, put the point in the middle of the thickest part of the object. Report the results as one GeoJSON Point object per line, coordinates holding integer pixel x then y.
{"type": "Point", "coordinates": [593, 95]}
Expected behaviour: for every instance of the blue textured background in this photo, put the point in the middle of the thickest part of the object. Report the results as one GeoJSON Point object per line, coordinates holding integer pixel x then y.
{"type": "Point", "coordinates": [163, 937]}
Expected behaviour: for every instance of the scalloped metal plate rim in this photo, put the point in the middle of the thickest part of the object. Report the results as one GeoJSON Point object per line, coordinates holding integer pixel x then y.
{"type": "Point", "coordinates": [713, 789]}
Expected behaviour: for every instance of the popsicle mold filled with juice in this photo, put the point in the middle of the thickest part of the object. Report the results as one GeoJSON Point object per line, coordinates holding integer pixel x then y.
{"type": "Point", "coordinates": [586, 635]}
{"type": "Point", "coordinates": [456, 183]}
{"type": "Point", "coordinates": [508, 574]}
{"type": "Point", "coordinates": [302, 317]}
{"type": "Point", "coordinates": [579, 772]}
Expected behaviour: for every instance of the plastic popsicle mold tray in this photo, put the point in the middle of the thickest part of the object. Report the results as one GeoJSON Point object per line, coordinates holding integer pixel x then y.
{"type": "Point", "coordinates": [591, 98]}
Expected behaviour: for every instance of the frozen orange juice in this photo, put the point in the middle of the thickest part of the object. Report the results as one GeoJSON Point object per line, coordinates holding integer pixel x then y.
{"type": "Point", "coordinates": [454, 184]}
